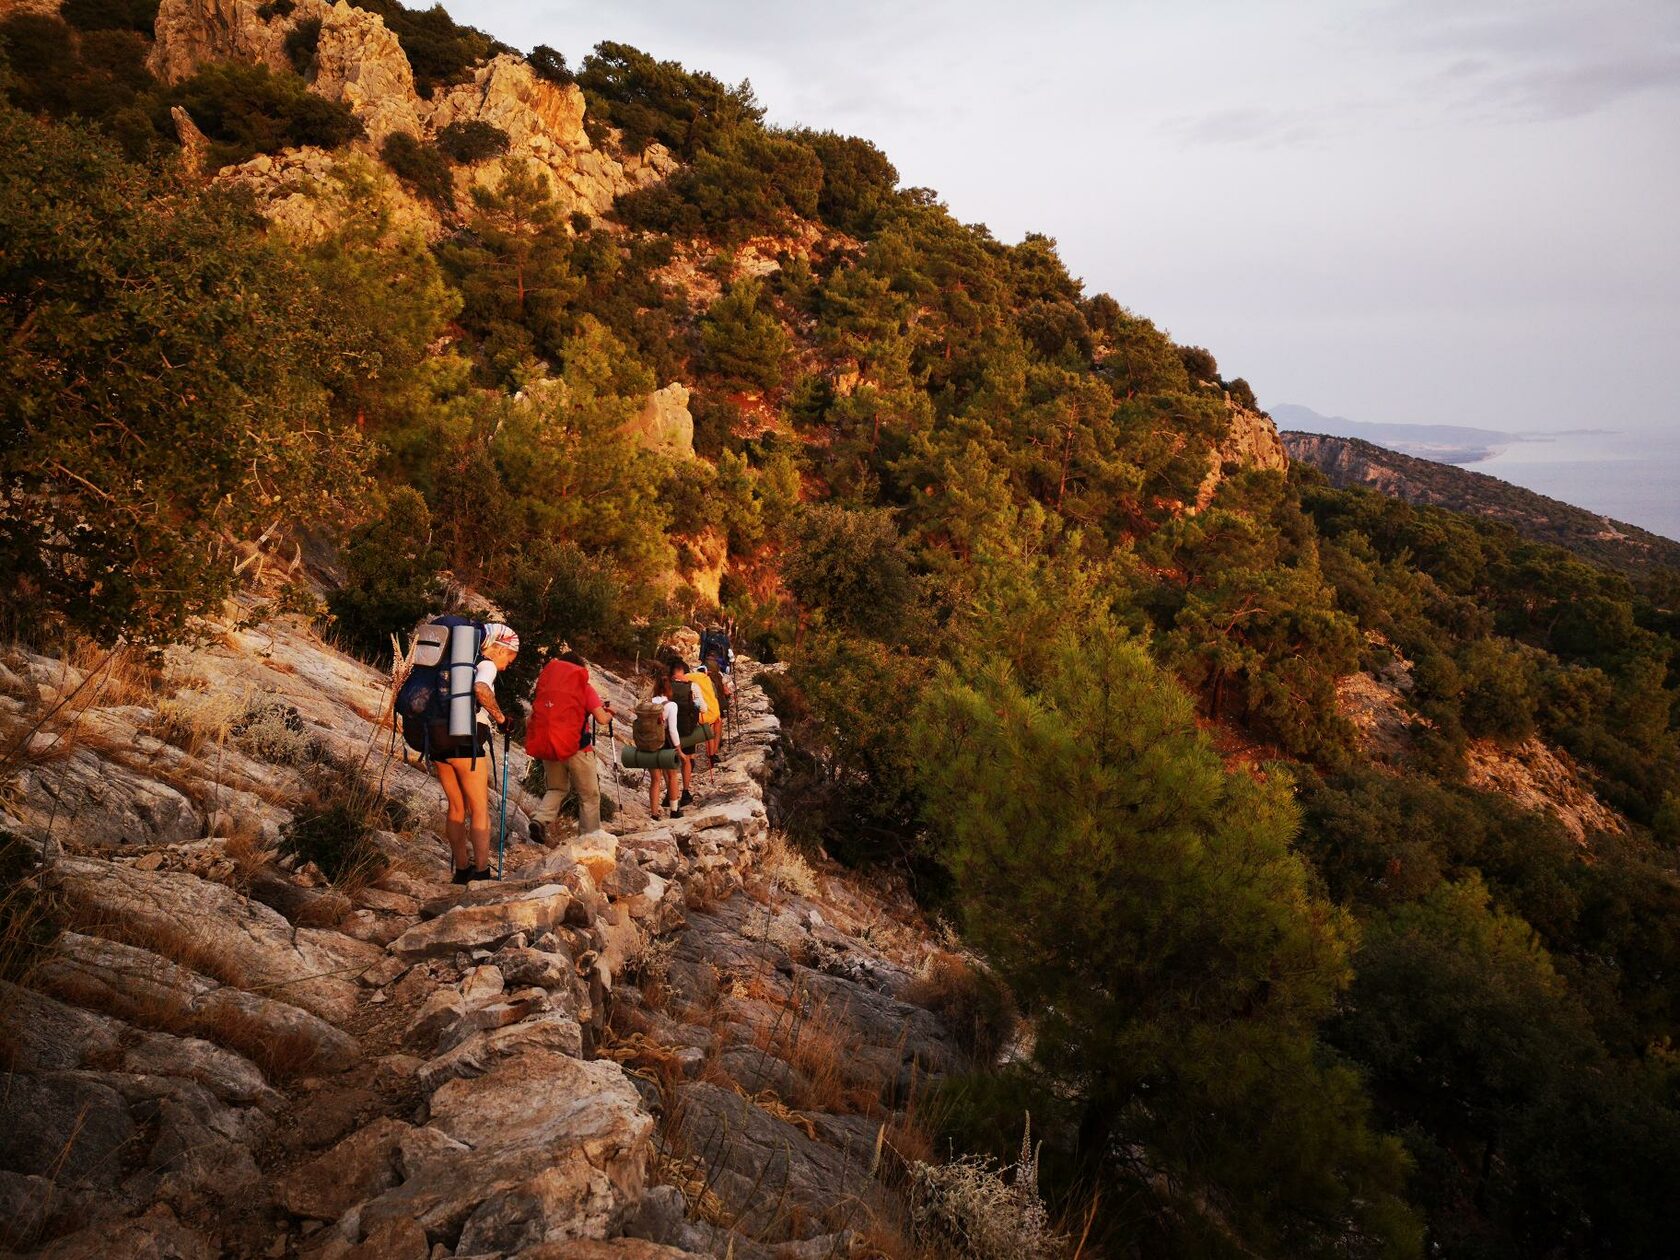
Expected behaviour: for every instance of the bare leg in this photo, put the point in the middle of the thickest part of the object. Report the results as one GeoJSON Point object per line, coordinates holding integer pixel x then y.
{"type": "Point", "coordinates": [475, 788]}
{"type": "Point", "coordinates": [455, 825]}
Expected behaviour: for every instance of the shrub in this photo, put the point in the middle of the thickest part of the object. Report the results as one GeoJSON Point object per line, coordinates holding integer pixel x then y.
{"type": "Point", "coordinates": [1242, 393]}
{"type": "Point", "coordinates": [111, 15]}
{"type": "Point", "coordinates": [118, 484]}
{"type": "Point", "coordinates": [973, 1001]}
{"type": "Point", "coordinates": [742, 339]}
{"type": "Point", "coordinates": [421, 167]}
{"type": "Point", "coordinates": [390, 575]}
{"type": "Point", "coordinates": [300, 45]}
{"type": "Point", "coordinates": [246, 110]}
{"type": "Point", "coordinates": [275, 733]}
{"type": "Point", "coordinates": [548, 64]}
{"type": "Point", "coordinates": [275, 8]}
{"type": "Point", "coordinates": [472, 141]}
{"type": "Point", "coordinates": [334, 826]}
{"type": "Point", "coordinates": [979, 1209]}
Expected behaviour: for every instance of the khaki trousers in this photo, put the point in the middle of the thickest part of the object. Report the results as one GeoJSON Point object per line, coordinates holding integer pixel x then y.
{"type": "Point", "coordinates": [577, 773]}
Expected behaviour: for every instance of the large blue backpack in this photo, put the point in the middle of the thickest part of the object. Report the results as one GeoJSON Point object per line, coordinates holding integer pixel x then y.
{"type": "Point", "coordinates": [422, 702]}
{"type": "Point", "coordinates": [715, 643]}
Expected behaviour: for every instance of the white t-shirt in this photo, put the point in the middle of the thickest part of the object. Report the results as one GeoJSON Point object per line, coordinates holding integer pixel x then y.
{"type": "Point", "coordinates": [486, 674]}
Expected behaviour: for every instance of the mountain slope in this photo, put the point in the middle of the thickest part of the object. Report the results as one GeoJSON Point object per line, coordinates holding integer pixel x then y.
{"type": "Point", "coordinates": [1349, 462]}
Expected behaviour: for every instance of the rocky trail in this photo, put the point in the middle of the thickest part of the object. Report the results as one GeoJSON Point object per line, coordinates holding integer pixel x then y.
{"type": "Point", "coordinates": [692, 1041]}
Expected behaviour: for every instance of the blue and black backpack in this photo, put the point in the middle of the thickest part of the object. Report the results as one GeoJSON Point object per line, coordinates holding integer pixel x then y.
{"type": "Point", "coordinates": [422, 703]}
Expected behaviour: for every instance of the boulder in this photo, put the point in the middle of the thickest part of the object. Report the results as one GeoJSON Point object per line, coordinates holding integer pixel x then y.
{"type": "Point", "coordinates": [361, 1166]}
{"type": "Point", "coordinates": [608, 1249]}
{"type": "Point", "coordinates": [469, 927]}
{"type": "Point", "coordinates": [664, 423]}
{"type": "Point", "coordinates": [545, 1148]}
{"type": "Point", "coordinates": [155, 1236]}
{"type": "Point", "coordinates": [551, 1030]}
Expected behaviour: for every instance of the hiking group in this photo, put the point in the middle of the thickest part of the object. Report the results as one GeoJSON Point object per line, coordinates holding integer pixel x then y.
{"type": "Point", "coordinates": [446, 708]}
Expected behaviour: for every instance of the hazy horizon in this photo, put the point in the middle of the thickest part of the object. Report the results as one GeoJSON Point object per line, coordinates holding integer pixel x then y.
{"type": "Point", "coordinates": [1429, 212]}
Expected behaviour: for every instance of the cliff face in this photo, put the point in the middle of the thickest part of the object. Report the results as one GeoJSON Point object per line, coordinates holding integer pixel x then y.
{"type": "Point", "coordinates": [360, 63]}
{"type": "Point", "coordinates": [1252, 442]}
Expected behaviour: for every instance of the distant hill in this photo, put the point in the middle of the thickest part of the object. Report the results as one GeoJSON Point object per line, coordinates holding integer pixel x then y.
{"type": "Point", "coordinates": [1444, 443]}
{"type": "Point", "coordinates": [1348, 461]}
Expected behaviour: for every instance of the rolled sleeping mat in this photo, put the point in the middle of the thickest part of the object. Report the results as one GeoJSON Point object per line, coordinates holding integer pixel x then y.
{"type": "Point", "coordinates": [463, 668]}
{"type": "Point", "coordinates": [699, 735]}
{"type": "Point", "coordinates": [633, 758]}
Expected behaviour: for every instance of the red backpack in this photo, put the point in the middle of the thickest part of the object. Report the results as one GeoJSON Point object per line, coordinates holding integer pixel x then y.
{"type": "Point", "coordinates": [558, 712]}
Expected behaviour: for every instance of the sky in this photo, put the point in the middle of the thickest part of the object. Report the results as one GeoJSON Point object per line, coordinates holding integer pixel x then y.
{"type": "Point", "coordinates": [1429, 211]}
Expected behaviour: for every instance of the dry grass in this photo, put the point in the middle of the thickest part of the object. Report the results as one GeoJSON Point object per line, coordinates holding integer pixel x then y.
{"type": "Point", "coordinates": [242, 842]}
{"type": "Point", "coordinates": [169, 939]}
{"type": "Point", "coordinates": [28, 910]}
{"type": "Point", "coordinates": [977, 1005]}
{"type": "Point", "coordinates": [785, 867]}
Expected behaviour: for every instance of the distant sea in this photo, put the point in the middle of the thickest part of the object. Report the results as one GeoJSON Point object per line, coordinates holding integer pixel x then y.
{"type": "Point", "coordinates": [1631, 477]}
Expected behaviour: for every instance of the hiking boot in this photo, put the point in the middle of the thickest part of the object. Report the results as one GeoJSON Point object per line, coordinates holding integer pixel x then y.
{"type": "Point", "coordinates": [685, 800]}
{"type": "Point", "coordinates": [539, 834]}
{"type": "Point", "coordinates": [462, 875]}
{"type": "Point", "coordinates": [482, 872]}
{"type": "Point", "coordinates": [676, 811]}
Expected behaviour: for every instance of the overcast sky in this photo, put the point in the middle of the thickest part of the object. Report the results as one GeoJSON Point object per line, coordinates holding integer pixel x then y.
{"type": "Point", "coordinates": [1446, 211]}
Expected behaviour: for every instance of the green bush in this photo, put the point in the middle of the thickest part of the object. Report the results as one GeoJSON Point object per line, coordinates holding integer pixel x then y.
{"type": "Point", "coordinates": [742, 342]}
{"type": "Point", "coordinates": [125, 472]}
{"type": "Point", "coordinates": [472, 141]}
{"type": "Point", "coordinates": [300, 45]}
{"type": "Point", "coordinates": [391, 570]}
{"type": "Point", "coordinates": [546, 63]}
{"type": "Point", "coordinates": [334, 826]}
{"type": "Point", "coordinates": [111, 15]}
{"type": "Point", "coordinates": [249, 109]}
{"type": "Point", "coordinates": [421, 167]}
{"type": "Point", "coordinates": [649, 100]}
{"type": "Point", "coordinates": [271, 9]}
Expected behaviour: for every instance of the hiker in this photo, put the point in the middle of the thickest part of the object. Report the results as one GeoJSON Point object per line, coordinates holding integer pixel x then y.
{"type": "Point", "coordinates": [559, 736]}
{"type": "Point", "coordinates": [666, 708]}
{"type": "Point", "coordinates": [711, 714]}
{"type": "Point", "coordinates": [714, 641]}
{"type": "Point", "coordinates": [462, 763]}
{"type": "Point", "coordinates": [690, 704]}
{"type": "Point", "coordinates": [723, 687]}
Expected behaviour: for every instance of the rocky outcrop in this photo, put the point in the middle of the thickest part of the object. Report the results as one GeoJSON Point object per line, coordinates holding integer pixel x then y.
{"type": "Point", "coordinates": [361, 63]}
{"type": "Point", "coordinates": [1539, 777]}
{"type": "Point", "coordinates": [1252, 442]}
{"type": "Point", "coordinates": [664, 423]}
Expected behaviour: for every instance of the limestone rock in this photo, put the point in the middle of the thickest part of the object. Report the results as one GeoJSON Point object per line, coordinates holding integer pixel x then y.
{"type": "Point", "coordinates": [548, 1148]}
{"type": "Point", "coordinates": [155, 1236]}
{"type": "Point", "coordinates": [311, 967]}
{"type": "Point", "coordinates": [361, 63]}
{"type": "Point", "coordinates": [551, 1030]}
{"type": "Point", "coordinates": [664, 423]}
{"type": "Point", "coordinates": [359, 1167]}
{"type": "Point", "coordinates": [1252, 442]}
{"type": "Point", "coordinates": [138, 983]}
{"type": "Point", "coordinates": [468, 927]}
{"type": "Point", "coordinates": [609, 1249]}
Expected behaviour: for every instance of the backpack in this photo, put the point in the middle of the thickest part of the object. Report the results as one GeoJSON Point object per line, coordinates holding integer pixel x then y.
{"type": "Point", "coordinates": [422, 701]}
{"type": "Point", "coordinates": [716, 643]}
{"type": "Point", "coordinates": [647, 731]}
{"type": "Point", "coordinates": [714, 671]}
{"type": "Point", "coordinates": [555, 731]}
{"type": "Point", "coordinates": [688, 713]}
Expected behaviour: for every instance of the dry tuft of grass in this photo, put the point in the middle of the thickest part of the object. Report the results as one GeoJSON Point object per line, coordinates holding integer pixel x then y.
{"type": "Point", "coordinates": [980, 1210]}
{"type": "Point", "coordinates": [785, 867]}
{"type": "Point", "coordinates": [28, 911]}
{"type": "Point", "coordinates": [976, 1004]}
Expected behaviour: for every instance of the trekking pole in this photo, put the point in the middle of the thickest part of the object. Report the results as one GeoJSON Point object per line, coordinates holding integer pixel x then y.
{"type": "Point", "coordinates": [501, 836]}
